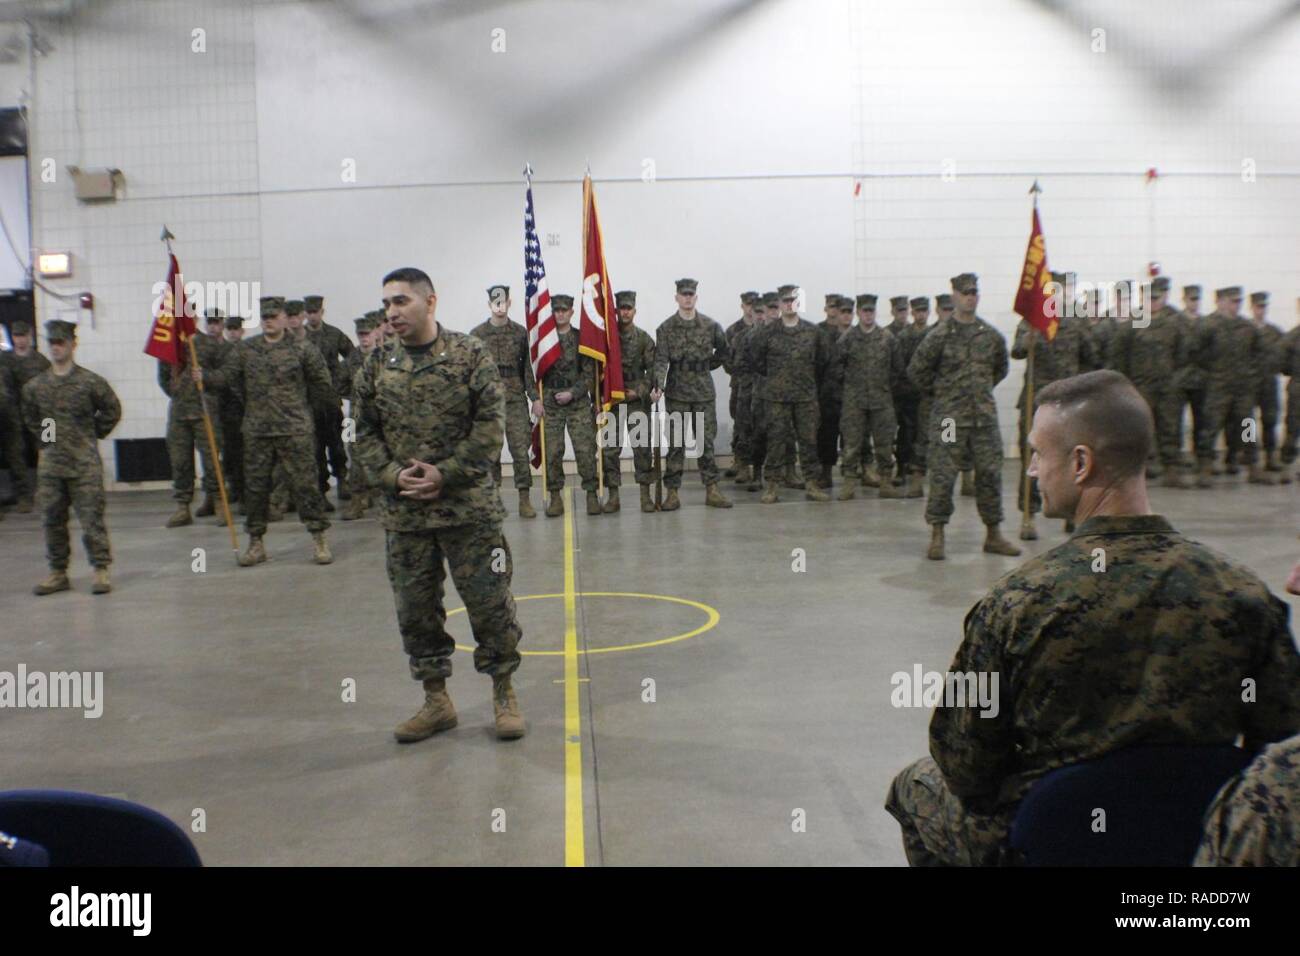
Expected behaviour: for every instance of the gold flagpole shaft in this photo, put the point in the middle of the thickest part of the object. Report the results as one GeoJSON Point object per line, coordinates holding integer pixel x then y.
{"type": "Point", "coordinates": [541, 431]}
{"type": "Point", "coordinates": [212, 449]}
{"type": "Point", "coordinates": [1028, 420]}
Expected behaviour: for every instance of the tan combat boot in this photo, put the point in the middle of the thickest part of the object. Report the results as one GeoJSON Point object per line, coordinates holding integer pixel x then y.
{"type": "Point", "coordinates": [671, 501]}
{"type": "Point", "coordinates": [968, 484]}
{"type": "Point", "coordinates": [526, 509]}
{"type": "Point", "coordinates": [593, 503]}
{"type": "Point", "coordinates": [647, 503]}
{"type": "Point", "coordinates": [1173, 478]}
{"type": "Point", "coordinates": [1258, 476]}
{"type": "Point", "coordinates": [612, 504]}
{"type": "Point", "coordinates": [849, 490]}
{"type": "Point", "coordinates": [356, 508]}
{"type": "Point", "coordinates": [1205, 477]}
{"type": "Point", "coordinates": [744, 474]}
{"type": "Point", "coordinates": [890, 490]}
{"type": "Point", "coordinates": [181, 516]}
{"type": "Point", "coordinates": [510, 723]}
{"type": "Point", "coordinates": [436, 714]}
{"type": "Point", "coordinates": [1027, 530]}
{"type": "Point", "coordinates": [207, 509]}
{"type": "Point", "coordinates": [915, 486]}
{"type": "Point", "coordinates": [322, 555]}
{"type": "Point", "coordinates": [57, 581]}
{"type": "Point", "coordinates": [555, 507]}
{"type": "Point", "coordinates": [871, 477]}
{"type": "Point", "coordinates": [813, 492]}
{"type": "Point", "coordinates": [101, 585]}
{"type": "Point", "coordinates": [994, 543]}
{"type": "Point", "coordinates": [936, 543]}
{"type": "Point", "coordinates": [772, 494]}
{"type": "Point", "coordinates": [713, 498]}
{"type": "Point", "coordinates": [255, 554]}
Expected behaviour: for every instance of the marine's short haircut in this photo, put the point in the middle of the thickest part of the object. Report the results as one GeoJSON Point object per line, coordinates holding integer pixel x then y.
{"type": "Point", "coordinates": [1106, 412]}
{"type": "Point", "coordinates": [411, 276]}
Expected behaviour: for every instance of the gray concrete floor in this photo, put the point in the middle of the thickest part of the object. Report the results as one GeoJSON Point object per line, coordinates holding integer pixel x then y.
{"type": "Point", "coordinates": [223, 690]}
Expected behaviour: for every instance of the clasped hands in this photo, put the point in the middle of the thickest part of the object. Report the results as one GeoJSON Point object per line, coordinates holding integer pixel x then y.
{"type": "Point", "coordinates": [420, 480]}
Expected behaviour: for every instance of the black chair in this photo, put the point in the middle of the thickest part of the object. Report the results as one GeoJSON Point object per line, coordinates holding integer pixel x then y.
{"type": "Point", "coordinates": [83, 829]}
{"type": "Point", "coordinates": [1154, 798]}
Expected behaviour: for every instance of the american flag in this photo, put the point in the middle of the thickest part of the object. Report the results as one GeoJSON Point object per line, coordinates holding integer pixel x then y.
{"type": "Point", "coordinates": [543, 340]}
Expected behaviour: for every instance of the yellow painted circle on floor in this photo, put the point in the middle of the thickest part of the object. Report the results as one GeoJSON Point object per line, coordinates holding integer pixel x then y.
{"type": "Point", "coordinates": [712, 614]}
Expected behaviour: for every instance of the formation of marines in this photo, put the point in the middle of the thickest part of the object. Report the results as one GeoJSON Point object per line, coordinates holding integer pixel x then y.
{"type": "Point", "coordinates": [904, 408]}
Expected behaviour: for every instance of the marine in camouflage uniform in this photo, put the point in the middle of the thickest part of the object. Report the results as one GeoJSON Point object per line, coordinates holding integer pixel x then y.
{"type": "Point", "coordinates": [688, 347]}
{"type": "Point", "coordinates": [24, 363]}
{"type": "Point", "coordinates": [904, 395]}
{"type": "Point", "coordinates": [360, 484]}
{"type": "Point", "coordinates": [232, 416]}
{"type": "Point", "coordinates": [1069, 353]}
{"type": "Point", "coordinates": [573, 374]}
{"type": "Point", "coordinates": [508, 343]}
{"type": "Point", "coordinates": [1268, 361]}
{"type": "Point", "coordinates": [68, 414]}
{"type": "Point", "coordinates": [637, 348]}
{"type": "Point", "coordinates": [186, 432]}
{"type": "Point", "coordinates": [282, 382]}
{"type": "Point", "coordinates": [961, 360]}
{"type": "Point", "coordinates": [1228, 350]}
{"type": "Point", "coordinates": [441, 404]}
{"type": "Point", "coordinates": [334, 347]}
{"type": "Point", "coordinates": [829, 397]}
{"type": "Point", "coordinates": [1289, 351]}
{"type": "Point", "coordinates": [943, 305]}
{"type": "Point", "coordinates": [908, 399]}
{"type": "Point", "coordinates": [868, 362]}
{"type": "Point", "coordinates": [1255, 817]}
{"type": "Point", "coordinates": [793, 357]}
{"type": "Point", "coordinates": [1154, 651]}
{"type": "Point", "coordinates": [770, 311]}
{"type": "Point", "coordinates": [742, 390]}
{"type": "Point", "coordinates": [1190, 381]}
{"type": "Point", "coordinates": [1151, 356]}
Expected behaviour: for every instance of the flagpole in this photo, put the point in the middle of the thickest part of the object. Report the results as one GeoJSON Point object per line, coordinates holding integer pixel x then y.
{"type": "Point", "coordinates": [1029, 393]}
{"type": "Point", "coordinates": [167, 238]}
{"type": "Point", "coordinates": [541, 387]}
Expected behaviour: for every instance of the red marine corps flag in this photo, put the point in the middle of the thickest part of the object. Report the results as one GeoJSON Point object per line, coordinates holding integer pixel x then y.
{"type": "Point", "coordinates": [598, 321]}
{"type": "Point", "coordinates": [1032, 297]}
{"type": "Point", "coordinates": [172, 323]}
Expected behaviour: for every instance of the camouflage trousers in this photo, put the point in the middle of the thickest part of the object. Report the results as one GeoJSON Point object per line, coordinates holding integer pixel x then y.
{"type": "Point", "coordinates": [828, 434]}
{"type": "Point", "coordinates": [1255, 818]}
{"type": "Point", "coordinates": [575, 418]}
{"type": "Point", "coordinates": [981, 445]}
{"type": "Point", "coordinates": [329, 445]}
{"type": "Point", "coordinates": [481, 568]}
{"type": "Point", "coordinates": [907, 409]}
{"type": "Point", "coordinates": [686, 414]}
{"type": "Point", "coordinates": [1167, 412]}
{"type": "Point", "coordinates": [938, 830]}
{"type": "Point", "coordinates": [262, 455]}
{"type": "Point", "coordinates": [791, 423]}
{"type": "Point", "coordinates": [183, 439]}
{"type": "Point", "coordinates": [742, 415]}
{"type": "Point", "coordinates": [1227, 412]}
{"type": "Point", "coordinates": [519, 438]}
{"type": "Point", "coordinates": [1194, 399]}
{"type": "Point", "coordinates": [1292, 438]}
{"type": "Point", "coordinates": [15, 452]}
{"type": "Point", "coordinates": [642, 450]}
{"type": "Point", "coordinates": [232, 451]}
{"type": "Point", "coordinates": [857, 425]}
{"type": "Point", "coordinates": [85, 495]}
{"type": "Point", "coordinates": [1269, 407]}
{"type": "Point", "coordinates": [920, 449]}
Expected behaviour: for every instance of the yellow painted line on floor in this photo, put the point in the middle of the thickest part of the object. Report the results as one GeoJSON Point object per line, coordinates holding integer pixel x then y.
{"type": "Point", "coordinates": [575, 853]}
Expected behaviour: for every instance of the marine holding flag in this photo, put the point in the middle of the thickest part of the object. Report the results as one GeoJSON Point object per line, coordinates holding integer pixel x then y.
{"type": "Point", "coordinates": [1056, 346]}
